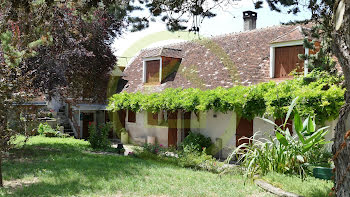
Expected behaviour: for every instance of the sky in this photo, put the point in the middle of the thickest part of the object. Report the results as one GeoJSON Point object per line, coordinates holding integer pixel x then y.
{"type": "Point", "coordinates": [229, 19]}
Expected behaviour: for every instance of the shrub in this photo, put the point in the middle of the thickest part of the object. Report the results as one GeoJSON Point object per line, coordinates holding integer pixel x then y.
{"type": "Point", "coordinates": [199, 160]}
{"type": "Point", "coordinates": [99, 137]}
{"type": "Point", "coordinates": [284, 153]}
{"type": "Point", "coordinates": [196, 142]}
{"type": "Point", "coordinates": [50, 133]}
{"type": "Point", "coordinates": [154, 148]}
{"type": "Point", "coordinates": [44, 127]}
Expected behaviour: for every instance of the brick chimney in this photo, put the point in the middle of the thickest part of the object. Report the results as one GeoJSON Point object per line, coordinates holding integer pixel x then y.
{"type": "Point", "coordinates": [249, 18]}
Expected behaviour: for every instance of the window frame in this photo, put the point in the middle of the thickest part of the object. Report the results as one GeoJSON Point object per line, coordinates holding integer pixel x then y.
{"type": "Point", "coordinates": [145, 60]}
{"type": "Point", "coordinates": [273, 46]}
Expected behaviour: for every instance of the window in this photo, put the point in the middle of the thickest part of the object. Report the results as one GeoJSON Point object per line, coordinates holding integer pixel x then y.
{"type": "Point", "coordinates": [287, 60]}
{"type": "Point", "coordinates": [152, 118]}
{"type": "Point", "coordinates": [152, 68]}
{"type": "Point", "coordinates": [284, 58]}
{"type": "Point", "coordinates": [131, 116]}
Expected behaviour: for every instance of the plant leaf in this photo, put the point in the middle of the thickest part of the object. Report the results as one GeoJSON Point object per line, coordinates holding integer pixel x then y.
{"type": "Point", "coordinates": [290, 110]}
{"type": "Point", "coordinates": [298, 125]}
{"type": "Point", "coordinates": [281, 139]}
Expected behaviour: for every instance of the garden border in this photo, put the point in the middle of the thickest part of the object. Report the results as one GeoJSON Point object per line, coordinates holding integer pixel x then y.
{"type": "Point", "coordinates": [274, 190]}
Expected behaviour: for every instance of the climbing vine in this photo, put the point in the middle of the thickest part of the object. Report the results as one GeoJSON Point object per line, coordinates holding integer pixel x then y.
{"type": "Point", "coordinates": [320, 96]}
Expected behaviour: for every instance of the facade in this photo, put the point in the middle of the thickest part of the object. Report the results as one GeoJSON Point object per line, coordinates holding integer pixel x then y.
{"type": "Point", "coordinates": [245, 58]}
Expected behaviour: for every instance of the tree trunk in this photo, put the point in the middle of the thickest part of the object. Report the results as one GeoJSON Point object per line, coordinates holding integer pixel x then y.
{"type": "Point", "coordinates": [1, 183]}
{"type": "Point", "coordinates": [341, 146]}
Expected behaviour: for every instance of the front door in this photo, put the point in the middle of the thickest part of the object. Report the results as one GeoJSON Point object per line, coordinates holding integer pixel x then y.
{"type": "Point", "coordinates": [88, 118]}
{"type": "Point", "coordinates": [172, 129]}
{"type": "Point", "coordinates": [244, 129]}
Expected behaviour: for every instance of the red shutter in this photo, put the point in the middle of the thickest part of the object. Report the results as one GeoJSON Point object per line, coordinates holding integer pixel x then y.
{"type": "Point", "coordinates": [286, 60]}
{"type": "Point", "coordinates": [152, 71]}
{"type": "Point", "coordinates": [244, 129]}
{"type": "Point", "coordinates": [152, 118]}
{"type": "Point", "coordinates": [131, 116]}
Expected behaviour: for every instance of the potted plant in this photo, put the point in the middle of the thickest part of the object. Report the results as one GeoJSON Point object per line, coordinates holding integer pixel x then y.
{"type": "Point", "coordinates": [124, 136]}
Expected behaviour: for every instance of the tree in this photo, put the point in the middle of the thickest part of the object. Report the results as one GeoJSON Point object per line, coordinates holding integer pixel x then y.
{"type": "Point", "coordinates": [54, 52]}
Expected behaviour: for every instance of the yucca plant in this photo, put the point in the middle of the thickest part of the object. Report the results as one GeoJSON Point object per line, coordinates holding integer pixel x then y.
{"type": "Point", "coordinates": [282, 153]}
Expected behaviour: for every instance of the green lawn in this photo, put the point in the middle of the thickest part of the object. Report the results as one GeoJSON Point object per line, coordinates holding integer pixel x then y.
{"type": "Point", "coordinates": [311, 186]}
{"type": "Point", "coordinates": [63, 167]}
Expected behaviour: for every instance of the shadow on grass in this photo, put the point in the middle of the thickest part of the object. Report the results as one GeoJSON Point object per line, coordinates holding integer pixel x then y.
{"type": "Point", "coordinates": [65, 170]}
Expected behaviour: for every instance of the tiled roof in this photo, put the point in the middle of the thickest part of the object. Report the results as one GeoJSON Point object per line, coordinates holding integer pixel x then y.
{"type": "Point", "coordinates": [228, 60]}
{"type": "Point", "coordinates": [294, 34]}
{"type": "Point", "coordinates": [163, 51]}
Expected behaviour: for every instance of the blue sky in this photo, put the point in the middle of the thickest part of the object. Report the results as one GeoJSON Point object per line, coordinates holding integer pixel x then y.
{"type": "Point", "coordinates": [229, 19]}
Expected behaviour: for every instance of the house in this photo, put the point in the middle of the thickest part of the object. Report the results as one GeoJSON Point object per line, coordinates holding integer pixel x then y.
{"type": "Point", "coordinates": [245, 58]}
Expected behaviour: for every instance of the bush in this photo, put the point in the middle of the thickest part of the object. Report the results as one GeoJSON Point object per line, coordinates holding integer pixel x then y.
{"type": "Point", "coordinates": [199, 160]}
{"type": "Point", "coordinates": [155, 149]}
{"type": "Point", "coordinates": [45, 128]}
{"type": "Point", "coordinates": [50, 133]}
{"type": "Point", "coordinates": [196, 142]}
{"type": "Point", "coordinates": [284, 153]}
{"type": "Point", "coordinates": [99, 137]}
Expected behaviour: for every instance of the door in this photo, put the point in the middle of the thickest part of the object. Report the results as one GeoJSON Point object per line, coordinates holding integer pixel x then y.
{"type": "Point", "coordinates": [172, 129]}
{"type": "Point", "coordinates": [187, 123]}
{"type": "Point", "coordinates": [120, 120]}
{"type": "Point", "coordinates": [244, 129]}
{"type": "Point", "coordinates": [107, 120]}
{"type": "Point", "coordinates": [88, 118]}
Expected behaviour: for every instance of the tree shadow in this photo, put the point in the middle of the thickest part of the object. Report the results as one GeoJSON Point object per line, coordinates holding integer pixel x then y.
{"type": "Point", "coordinates": [66, 170]}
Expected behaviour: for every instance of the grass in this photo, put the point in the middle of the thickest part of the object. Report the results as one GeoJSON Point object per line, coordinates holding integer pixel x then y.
{"type": "Point", "coordinates": [311, 187]}
{"type": "Point", "coordinates": [64, 167]}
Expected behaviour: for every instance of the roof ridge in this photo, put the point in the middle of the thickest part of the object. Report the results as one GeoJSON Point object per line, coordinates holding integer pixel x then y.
{"type": "Point", "coordinates": [298, 27]}
{"type": "Point", "coordinates": [215, 37]}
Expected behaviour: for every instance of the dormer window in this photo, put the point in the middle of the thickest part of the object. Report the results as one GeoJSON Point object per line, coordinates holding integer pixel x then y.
{"type": "Point", "coordinates": [159, 64]}
{"type": "Point", "coordinates": [152, 71]}
{"type": "Point", "coordinates": [284, 53]}
{"type": "Point", "coordinates": [284, 59]}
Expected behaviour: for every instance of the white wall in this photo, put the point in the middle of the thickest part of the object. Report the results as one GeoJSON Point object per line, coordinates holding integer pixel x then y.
{"type": "Point", "coordinates": [211, 124]}
{"type": "Point", "coordinates": [140, 129]}
{"type": "Point", "coordinates": [216, 125]}
{"type": "Point", "coordinates": [262, 128]}
{"type": "Point", "coordinates": [55, 103]}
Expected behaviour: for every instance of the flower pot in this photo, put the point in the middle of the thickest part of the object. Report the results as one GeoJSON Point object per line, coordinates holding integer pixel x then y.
{"type": "Point", "coordinates": [323, 173]}
{"type": "Point", "coordinates": [151, 140]}
{"type": "Point", "coordinates": [124, 137]}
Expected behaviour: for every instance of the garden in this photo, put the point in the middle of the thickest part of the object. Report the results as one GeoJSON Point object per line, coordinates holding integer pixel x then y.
{"type": "Point", "coordinates": [54, 164]}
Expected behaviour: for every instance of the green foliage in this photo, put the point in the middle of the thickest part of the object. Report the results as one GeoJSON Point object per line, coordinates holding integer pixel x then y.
{"type": "Point", "coordinates": [155, 149]}
{"type": "Point", "coordinates": [99, 137]}
{"type": "Point", "coordinates": [320, 93]}
{"type": "Point", "coordinates": [200, 161]}
{"type": "Point", "coordinates": [195, 142]}
{"type": "Point", "coordinates": [45, 128]}
{"type": "Point", "coordinates": [284, 153]}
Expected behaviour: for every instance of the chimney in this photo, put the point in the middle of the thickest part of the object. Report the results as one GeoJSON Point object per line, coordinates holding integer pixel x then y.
{"type": "Point", "coordinates": [249, 18]}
